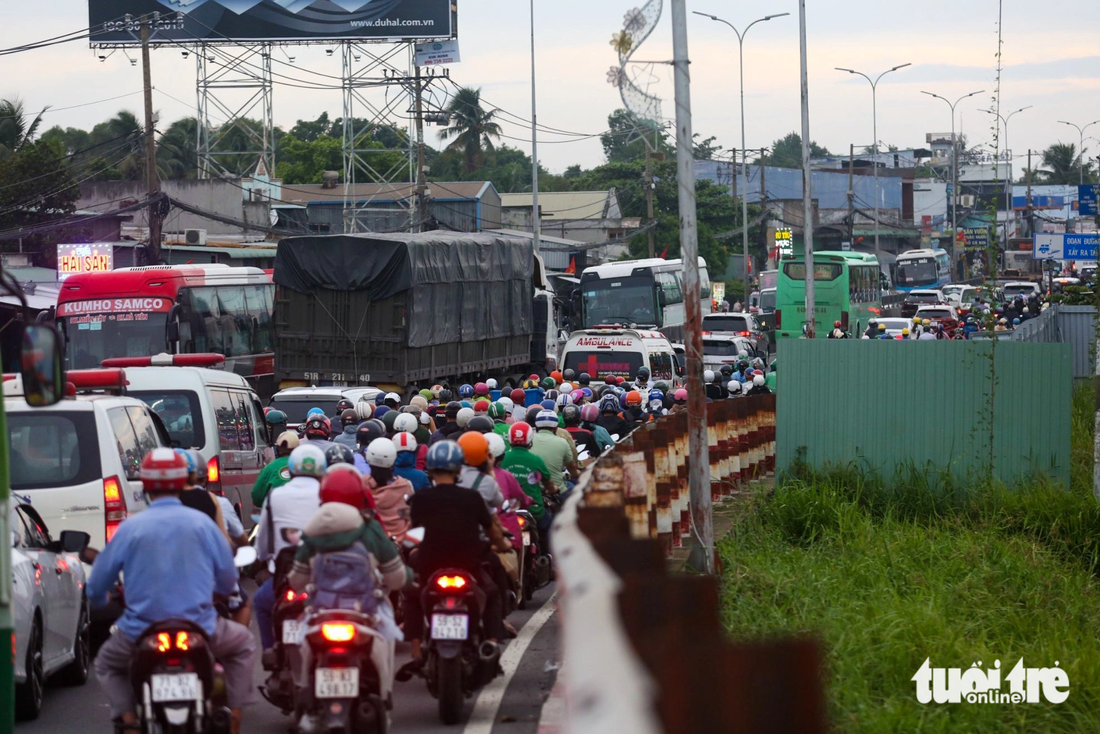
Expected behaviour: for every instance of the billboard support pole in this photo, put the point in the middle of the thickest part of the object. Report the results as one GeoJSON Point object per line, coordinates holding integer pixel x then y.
{"type": "Point", "coordinates": [152, 178]}
{"type": "Point", "coordinates": [222, 73]}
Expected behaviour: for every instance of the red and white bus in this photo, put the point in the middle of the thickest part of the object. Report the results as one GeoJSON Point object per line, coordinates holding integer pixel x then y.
{"type": "Point", "coordinates": [178, 309]}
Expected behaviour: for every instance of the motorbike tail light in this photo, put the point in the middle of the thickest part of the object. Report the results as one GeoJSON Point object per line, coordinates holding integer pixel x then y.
{"type": "Point", "coordinates": [164, 642]}
{"type": "Point", "coordinates": [450, 582]}
{"type": "Point", "coordinates": [213, 474]}
{"type": "Point", "coordinates": [182, 641]}
{"type": "Point", "coordinates": [114, 506]}
{"type": "Point", "coordinates": [338, 631]}
{"type": "Point", "coordinates": [291, 596]}
{"type": "Point", "coordinates": [522, 522]}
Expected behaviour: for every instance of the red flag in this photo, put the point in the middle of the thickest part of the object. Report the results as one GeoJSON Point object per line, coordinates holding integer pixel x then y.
{"type": "Point", "coordinates": [572, 269]}
{"type": "Point", "coordinates": [662, 255]}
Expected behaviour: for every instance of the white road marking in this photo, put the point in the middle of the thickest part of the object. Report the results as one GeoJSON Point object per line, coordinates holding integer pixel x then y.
{"type": "Point", "coordinates": [488, 701]}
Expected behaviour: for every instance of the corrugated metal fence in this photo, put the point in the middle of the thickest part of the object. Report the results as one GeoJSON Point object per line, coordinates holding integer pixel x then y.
{"type": "Point", "coordinates": [1077, 326]}
{"type": "Point", "coordinates": [969, 406]}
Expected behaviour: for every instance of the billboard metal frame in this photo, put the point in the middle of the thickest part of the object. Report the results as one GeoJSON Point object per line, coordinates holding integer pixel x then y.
{"type": "Point", "coordinates": [218, 72]}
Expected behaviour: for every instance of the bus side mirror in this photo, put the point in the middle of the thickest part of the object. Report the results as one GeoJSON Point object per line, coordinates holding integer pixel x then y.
{"type": "Point", "coordinates": [662, 298]}
{"type": "Point", "coordinates": [40, 360]}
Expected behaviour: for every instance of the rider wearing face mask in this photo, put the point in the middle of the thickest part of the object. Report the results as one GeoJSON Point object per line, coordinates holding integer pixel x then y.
{"type": "Point", "coordinates": [390, 491]}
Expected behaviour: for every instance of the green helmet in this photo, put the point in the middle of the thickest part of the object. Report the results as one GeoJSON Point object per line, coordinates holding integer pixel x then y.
{"type": "Point", "coordinates": [548, 383]}
{"type": "Point", "coordinates": [427, 395]}
{"type": "Point", "coordinates": [498, 412]}
{"type": "Point", "coordinates": [388, 418]}
{"type": "Point", "coordinates": [662, 386]}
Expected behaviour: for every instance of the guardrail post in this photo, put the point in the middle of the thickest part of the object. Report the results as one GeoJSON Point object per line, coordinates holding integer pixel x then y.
{"type": "Point", "coordinates": [634, 494]}
{"type": "Point", "coordinates": [712, 455]}
{"type": "Point", "coordinates": [664, 489]}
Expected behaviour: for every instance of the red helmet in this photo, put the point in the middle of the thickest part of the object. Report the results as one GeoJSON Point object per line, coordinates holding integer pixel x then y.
{"type": "Point", "coordinates": [163, 470]}
{"type": "Point", "coordinates": [319, 427]}
{"type": "Point", "coordinates": [481, 406]}
{"type": "Point", "coordinates": [521, 434]}
{"type": "Point", "coordinates": [836, 324]}
{"type": "Point", "coordinates": [345, 487]}
{"type": "Point", "coordinates": [519, 397]}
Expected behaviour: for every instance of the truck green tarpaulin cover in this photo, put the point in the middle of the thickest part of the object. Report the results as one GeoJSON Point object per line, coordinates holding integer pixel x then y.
{"type": "Point", "coordinates": [466, 287]}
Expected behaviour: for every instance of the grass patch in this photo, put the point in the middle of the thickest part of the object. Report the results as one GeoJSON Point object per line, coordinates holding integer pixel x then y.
{"type": "Point", "coordinates": [888, 574]}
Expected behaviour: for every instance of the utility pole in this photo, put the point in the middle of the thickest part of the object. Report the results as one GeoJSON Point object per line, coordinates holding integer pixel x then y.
{"type": "Point", "coordinates": [1030, 220]}
{"type": "Point", "coordinates": [651, 235]}
{"type": "Point", "coordinates": [421, 183]}
{"type": "Point", "coordinates": [733, 189]}
{"type": "Point", "coordinates": [764, 244]}
{"type": "Point", "coordinates": [852, 197]}
{"type": "Point", "coordinates": [807, 194]}
{"type": "Point", "coordinates": [702, 520]}
{"type": "Point", "coordinates": [536, 216]}
{"type": "Point", "coordinates": [151, 177]}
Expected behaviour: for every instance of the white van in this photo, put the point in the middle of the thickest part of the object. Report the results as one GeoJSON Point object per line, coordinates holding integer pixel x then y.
{"type": "Point", "coordinates": [215, 412]}
{"type": "Point", "coordinates": [603, 352]}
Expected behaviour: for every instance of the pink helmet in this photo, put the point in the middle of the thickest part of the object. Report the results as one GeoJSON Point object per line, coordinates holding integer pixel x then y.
{"type": "Point", "coordinates": [590, 413]}
{"type": "Point", "coordinates": [680, 396]}
{"type": "Point", "coordinates": [481, 389]}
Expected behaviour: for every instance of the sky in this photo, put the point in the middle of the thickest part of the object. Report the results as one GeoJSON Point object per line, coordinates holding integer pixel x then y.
{"type": "Point", "coordinates": [1051, 62]}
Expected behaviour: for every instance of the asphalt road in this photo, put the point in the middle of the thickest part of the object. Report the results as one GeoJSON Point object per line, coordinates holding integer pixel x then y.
{"type": "Point", "coordinates": [512, 704]}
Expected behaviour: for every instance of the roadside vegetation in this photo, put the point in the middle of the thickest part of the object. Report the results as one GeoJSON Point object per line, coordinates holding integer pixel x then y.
{"type": "Point", "coordinates": [888, 573]}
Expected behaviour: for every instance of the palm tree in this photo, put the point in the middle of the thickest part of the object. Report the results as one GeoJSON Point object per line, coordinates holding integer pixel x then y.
{"type": "Point", "coordinates": [15, 130]}
{"type": "Point", "coordinates": [472, 128]}
{"type": "Point", "coordinates": [1062, 164]}
{"type": "Point", "coordinates": [123, 150]}
{"type": "Point", "coordinates": [176, 154]}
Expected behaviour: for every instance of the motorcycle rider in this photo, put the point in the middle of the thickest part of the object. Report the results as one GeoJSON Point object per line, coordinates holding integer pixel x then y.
{"type": "Point", "coordinates": [710, 386]}
{"type": "Point", "coordinates": [509, 487]}
{"type": "Point", "coordinates": [450, 429]}
{"type": "Point", "coordinates": [532, 473]}
{"type": "Point", "coordinates": [318, 432]}
{"type": "Point", "coordinates": [388, 489]}
{"type": "Point", "coordinates": [590, 416]}
{"type": "Point", "coordinates": [872, 329]}
{"type": "Point", "coordinates": [584, 438]}
{"type": "Point", "coordinates": [610, 419]}
{"type": "Point", "coordinates": [160, 587]}
{"type": "Point", "coordinates": [837, 332]}
{"type": "Point", "coordinates": [641, 382]}
{"type": "Point", "coordinates": [349, 423]}
{"type": "Point", "coordinates": [285, 512]}
{"type": "Point", "coordinates": [405, 466]}
{"type": "Point", "coordinates": [759, 385]}
{"type": "Point", "coordinates": [275, 474]}
{"type": "Point", "coordinates": [554, 450]}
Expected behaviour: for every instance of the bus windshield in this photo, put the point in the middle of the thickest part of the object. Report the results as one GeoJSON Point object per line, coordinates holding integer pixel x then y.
{"type": "Point", "coordinates": [822, 271]}
{"type": "Point", "coordinates": [623, 300]}
{"type": "Point", "coordinates": [917, 272]}
{"type": "Point", "coordinates": [92, 338]}
{"type": "Point", "coordinates": [234, 320]}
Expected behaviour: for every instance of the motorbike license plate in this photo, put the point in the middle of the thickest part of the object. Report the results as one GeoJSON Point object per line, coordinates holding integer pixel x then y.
{"type": "Point", "coordinates": [336, 683]}
{"type": "Point", "coordinates": [176, 687]}
{"type": "Point", "coordinates": [292, 629]}
{"type": "Point", "coordinates": [526, 539]}
{"type": "Point", "coordinates": [450, 627]}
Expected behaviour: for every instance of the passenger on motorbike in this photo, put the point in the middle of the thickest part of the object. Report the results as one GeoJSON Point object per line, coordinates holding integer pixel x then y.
{"type": "Point", "coordinates": [514, 497]}
{"type": "Point", "coordinates": [590, 416]}
{"type": "Point", "coordinates": [450, 428]}
{"type": "Point", "coordinates": [584, 438]}
{"type": "Point", "coordinates": [275, 474]}
{"type": "Point", "coordinates": [553, 449]}
{"type": "Point", "coordinates": [405, 466]}
{"type": "Point", "coordinates": [388, 489]}
{"type": "Point", "coordinates": [168, 575]}
{"type": "Point", "coordinates": [349, 422]}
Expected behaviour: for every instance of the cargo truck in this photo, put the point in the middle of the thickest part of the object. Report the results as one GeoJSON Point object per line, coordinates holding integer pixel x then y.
{"type": "Point", "coordinates": [405, 311]}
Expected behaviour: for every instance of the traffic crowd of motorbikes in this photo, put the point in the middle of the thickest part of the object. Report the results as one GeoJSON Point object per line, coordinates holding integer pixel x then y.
{"type": "Point", "coordinates": [425, 520]}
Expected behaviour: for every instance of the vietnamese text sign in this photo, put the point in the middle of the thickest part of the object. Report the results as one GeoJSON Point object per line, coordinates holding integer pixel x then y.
{"type": "Point", "coordinates": [78, 259]}
{"type": "Point", "coordinates": [438, 53]}
{"type": "Point", "coordinates": [977, 238]}
{"type": "Point", "coordinates": [226, 21]}
{"type": "Point", "coordinates": [1060, 246]}
{"type": "Point", "coordinates": [784, 241]}
{"type": "Point", "coordinates": [1087, 196]}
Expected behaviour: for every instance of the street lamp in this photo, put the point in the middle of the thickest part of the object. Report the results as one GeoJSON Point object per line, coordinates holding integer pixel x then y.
{"type": "Point", "coordinates": [744, 198]}
{"type": "Point", "coordinates": [536, 217]}
{"type": "Point", "coordinates": [874, 125]}
{"type": "Point", "coordinates": [954, 175]}
{"type": "Point", "coordinates": [1081, 148]}
{"type": "Point", "coordinates": [1008, 186]}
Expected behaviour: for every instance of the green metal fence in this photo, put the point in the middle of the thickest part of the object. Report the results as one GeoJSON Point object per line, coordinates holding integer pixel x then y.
{"type": "Point", "coordinates": [968, 406]}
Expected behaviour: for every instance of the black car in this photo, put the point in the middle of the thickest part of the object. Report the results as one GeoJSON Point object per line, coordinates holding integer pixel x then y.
{"type": "Point", "coordinates": [916, 299]}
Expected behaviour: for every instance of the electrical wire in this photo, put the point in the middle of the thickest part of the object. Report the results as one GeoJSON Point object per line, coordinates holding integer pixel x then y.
{"type": "Point", "coordinates": [71, 155]}
{"type": "Point", "coordinates": [51, 110]}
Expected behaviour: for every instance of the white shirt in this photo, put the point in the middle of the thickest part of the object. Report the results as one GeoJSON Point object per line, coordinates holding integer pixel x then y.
{"type": "Point", "coordinates": [292, 505]}
{"type": "Point", "coordinates": [926, 336]}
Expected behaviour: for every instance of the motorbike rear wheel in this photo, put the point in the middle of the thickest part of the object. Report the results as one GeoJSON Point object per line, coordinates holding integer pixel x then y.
{"type": "Point", "coordinates": [449, 685]}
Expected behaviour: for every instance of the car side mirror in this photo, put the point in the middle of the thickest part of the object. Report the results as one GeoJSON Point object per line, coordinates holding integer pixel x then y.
{"type": "Point", "coordinates": [43, 378]}
{"type": "Point", "coordinates": [74, 541]}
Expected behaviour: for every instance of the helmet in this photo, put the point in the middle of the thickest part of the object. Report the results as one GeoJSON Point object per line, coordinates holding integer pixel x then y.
{"type": "Point", "coordinates": [379, 398]}
{"type": "Point", "coordinates": [445, 456]}
{"type": "Point", "coordinates": [194, 462]}
{"type": "Point", "coordinates": [318, 427]}
{"type": "Point", "coordinates": [405, 422]}
{"type": "Point", "coordinates": [392, 397]}
{"type": "Point", "coordinates": [916, 319]}
{"type": "Point", "coordinates": [546, 419]}
{"type": "Point", "coordinates": [481, 388]}
{"type": "Point", "coordinates": [286, 442]}
{"type": "Point", "coordinates": [365, 409]}
{"type": "Point", "coordinates": [475, 447]}
{"type": "Point", "coordinates": [344, 487]}
{"type": "Point", "coordinates": [436, 390]}
{"type": "Point", "coordinates": [548, 404]}
{"type": "Point", "coordinates": [531, 382]}
{"type": "Point", "coordinates": [584, 379]}
{"type": "Point", "coordinates": [882, 327]}
{"type": "Point", "coordinates": [590, 413]}
{"type": "Point", "coordinates": [552, 396]}
{"type": "Point", "coordinates": [743, 363]}
{"type": "Point", "coordinates": [368, 431]}
{"type": "Point", "coordinates": [609, 403]}
{"type": "Point", "coordinates": [464, 416]}
{"type": "Point", "coordinates": [521, 434]}
{"type": "Point", "coordinates": [556, 376]}
{"type": "Point", "coordinates": [872, 323]}
{"type": "Point", "coordinates": [163, 470]}
{"type": "Point", "coordinates": [532, 413]}
{"type": "Point", "coordinates": [566, 387]}
{"type": "Point", "coordinates": [643, 373]}
{"type": "Point", "coordinates": [497, 411]}
{"type": "Point", "coordinates": [348, 417]}
{"type": "Point", "coordinates": [708, 376]}
{"type": "Point", "coordinates": [734, 387]}
{"type": "Point", "coordinates": [339, 454]}
{"type": "Point", "coordinates": [381, 453]}
{"type": "Point", "coordinates": [480, 424]}
{"type": "Point", "coordinates": [587, 392]}
{"type": "Point", "coordinates": [451, 410]}
{"type": "Point", "coordinates": [568, 374]}
{"type": "Point", "coordinates": [481, 407]}
{"type": "Point", "coordinates": [549, 383]}
{"type": "Point", "coordinates": [519, 397]}
{"type": "Point", "coordinates": [497, 447]}
{"type": "Point", "coordinates": [656, 396]}
{"type": "Point", "coordinates": [1015, 322]}
{"type": "Point", "coordinates": [681, 395]}
{"type": "Point", "coordinates": [758, 364]}
{"type": "Point", "coordinates": [726, 371]}
{"type": "Point", "coordinates": [507, 402]}
{"type": "Point", "coordinates": [491, 383]}
{"type": "Point", "coordinates": [466, 391]}
{"type": "Point", "coordinates": [343, 405]}
{"type": "Point", "coordinates": [419, 401]}
{"type": "Point", "coordinates": [571, 415]}
{"type": "Point", "coordinates": [635, 398]}
{"type": "Point", "coordinates": [905, 332]}
{"type": "Point", "coordinates": [307, 461]}
{"type": "Point", "coordinates": [405, 441]}
{"type": "Point", "coordinates": [758, 380]}
{"type": "Point", "coordinates": [274, 417]}
{"type": "Point", "coordinates": [836, 324]}
{"type": "Point", "coordinates": [926, 322]}
{"type": "Point", "coordinates": [314, 411]}
{"type": "Point", "coordinates": [565, 399]}
{"type": "Point", "coordinates": [445, 396]}
{"type": "Point", "coordinates": [466, 404]}
{"type": "Point", "coordinates": [389, 418]}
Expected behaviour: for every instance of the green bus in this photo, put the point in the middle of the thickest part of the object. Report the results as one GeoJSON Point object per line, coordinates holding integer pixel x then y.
{"type": "Point", "coordinates": [846, 289]}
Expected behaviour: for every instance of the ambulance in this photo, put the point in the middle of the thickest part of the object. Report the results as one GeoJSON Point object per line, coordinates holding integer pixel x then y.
{"type": "Point", "coordinates": [606, 351]}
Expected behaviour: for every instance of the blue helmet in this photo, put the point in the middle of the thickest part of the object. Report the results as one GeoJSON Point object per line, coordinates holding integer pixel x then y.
{"type": "Point", "coordinates": [656, 396]}
{"type": "Point", "coordinates": [194, 463]}
{"type": "Point", "coordinates": [466, 404]}
{"type": "Point", "coordinates": [466, 391]}
{"type": "Point", "coordinates": [445, 456]}
{"type": "Point", "coordinates": [609, 404]}
{"type": "Point", "coordinates": [1015, 322]}
{"type": "Point", "coordinates": [380, 398]}
{"type": "Point", "coordinates": [314, 411]}
{"type": "Point", "coordinates": [546, 419]}
{"type": "Point", "coordinates": [548, 404]}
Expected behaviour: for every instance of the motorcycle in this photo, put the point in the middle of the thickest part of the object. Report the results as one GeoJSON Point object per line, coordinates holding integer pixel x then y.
{"type": "Point", "coordinates": [178, 686]}
{"type": "Point", "coordinates": [285, 656]}
{"type": "Point", "coordinates": [457, 660]}
{"type": "Point", "coordinates": [535, 564]}
{"type": "Point", "coordinates": [342, 690]}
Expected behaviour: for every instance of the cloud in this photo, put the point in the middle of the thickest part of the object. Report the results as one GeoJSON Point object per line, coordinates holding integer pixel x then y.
{"type": "Point", "coordinates": [1087, 67]}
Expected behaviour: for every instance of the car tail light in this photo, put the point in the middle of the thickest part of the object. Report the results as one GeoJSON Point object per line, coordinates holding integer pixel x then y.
{"type": "Point", "coordinates": [778, 319]}
{"type": "Point", "coordinates": [745, 333]}
{"type": "Point", "coordinates": [338, 631]}
{"type": "Point", "coordinates": [213, 474]}
{"type": "Point", "coordinates": [450, 582]}
{"type": "Point", "coordinates": [114, 506]}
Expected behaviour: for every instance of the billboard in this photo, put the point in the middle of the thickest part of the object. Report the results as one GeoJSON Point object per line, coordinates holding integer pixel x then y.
{"type": "Point", "coordinates": [234, 21]}
{"type": "Point", "coordinates": [78, 259]}
{"type": "Point", "coordinates": [1059, 246]}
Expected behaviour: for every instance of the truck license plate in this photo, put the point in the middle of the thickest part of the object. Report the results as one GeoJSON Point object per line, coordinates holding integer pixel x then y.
{"type": "Point", "coordinates": [450, 627]}
{"type": "Point", "coordinates": [292, 632]}
{"type": "Point", "coordinates": [176, 687]}
{"type": "Point", "coordinates": [336, 683]}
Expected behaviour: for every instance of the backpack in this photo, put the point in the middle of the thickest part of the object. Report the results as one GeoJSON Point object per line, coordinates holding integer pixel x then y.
{"type": "Point", "coordinates": [345, 579]}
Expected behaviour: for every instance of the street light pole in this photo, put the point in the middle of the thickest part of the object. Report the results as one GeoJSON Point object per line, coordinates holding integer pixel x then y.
{"type": "Point", "coordinates": [954, 176]}
{"type": "Point", "coordinates": [536, 217]}
{"type": "Point", "coordinates": [744, 191]}
{"type": "Point", "coordinates": [1080, 148]}
{"type": "Point", "coordinates": [1008, 186]}
{"type": "Point", "coordinates": [874, 144]}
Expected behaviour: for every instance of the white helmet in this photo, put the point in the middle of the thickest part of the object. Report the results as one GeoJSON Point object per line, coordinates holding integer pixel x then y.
{"type": "Point", "coordinates": [758, 380]}
{"type": "Point", "coordinates": [308, 460]}
{"type": "Point", "coordinates": [742, 354]}
{"type": "Point", "coordinates": [734, 386]}
{"type": "Point", "coordinates": [425, 419]}
{"type": "Point", "coordinates": [464, 416]}
{"type": "Point", "coordinates": [566, 388]}
{"type": "Point", "coordinates": [405, 441]}
{"type": "Point", "coordinates": [405, 422]}
{"type": "Point", "coordinates": [365, 409]}
{"type": "Point", "coordinates": [496, 444]}
{"type": "Point", "coordinates": [491, 383]}
{"type": "Point", "coordinates": [419, 401]}
{"type": "Point", "coordinates": [392, 396]}
{"type": "Point", "coordinates": [381, 453]}
{"type": "Point", "coordinates": [708, 376]}
{"type": "Point", "coordinates": [507, 403]}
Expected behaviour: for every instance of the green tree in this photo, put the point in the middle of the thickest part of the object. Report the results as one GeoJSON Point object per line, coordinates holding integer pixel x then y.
{"type": "Point", "coordinates": [472, 127]}
{"type": "Point", "coordinates": [626, 135]}
{"type": "Point", "coordinates": [68, 139]}
{"type": "Point", "coordinates": [1063, 165]}
{"type": "Point", "coordinates": [787, 151]}
{"type": "Point", "coordinates": [176, 154]}
{"type": "Point", "coordinates": [121, 151]}
{"type": "Point", "coordinates": [36, 186]}
{"type": "Point", "coordinates": [16, 130]}
{"type": "Point", "coordinates": [301, 161]}
{"type": "Point", "coordinates": [705, 150]}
